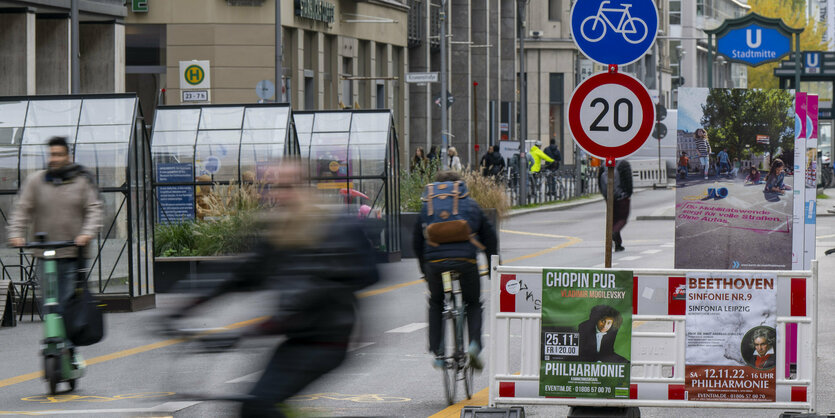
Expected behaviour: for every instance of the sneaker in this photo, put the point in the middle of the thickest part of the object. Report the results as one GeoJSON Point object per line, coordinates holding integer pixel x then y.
{"type": "Point", "coordinates": [473, 352]}
{"type": "Point", "coordinates": [438, 363]}
{"type": "Point", "coordinates": [619, 248]}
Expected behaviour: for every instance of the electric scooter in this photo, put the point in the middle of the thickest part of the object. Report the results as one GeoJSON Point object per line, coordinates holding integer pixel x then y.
{"type": "Point", "coordinates": [60, 363]}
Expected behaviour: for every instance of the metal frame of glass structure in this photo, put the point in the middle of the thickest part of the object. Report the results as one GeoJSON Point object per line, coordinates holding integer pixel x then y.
{"type": "Point", "coordinates": [353, 158]}
{"type": "Point", "coordinates": [107, 135]}
{"type": "Point", "coordinates": [198, 146]}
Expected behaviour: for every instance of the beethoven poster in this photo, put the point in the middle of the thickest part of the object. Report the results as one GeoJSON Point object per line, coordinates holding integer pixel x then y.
{"type": "Point", "coordinates": [734, 188]}
{"type": "Point", "coordinates": [730, 323]}
{"type": "Point", "coordinates": [586, 333]}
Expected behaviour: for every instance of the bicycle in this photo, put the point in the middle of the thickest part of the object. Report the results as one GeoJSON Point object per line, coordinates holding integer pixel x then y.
{"type": "Point", "coordinates": [456, 361]}
{"type": "Point", "coordinates": [627, 25]}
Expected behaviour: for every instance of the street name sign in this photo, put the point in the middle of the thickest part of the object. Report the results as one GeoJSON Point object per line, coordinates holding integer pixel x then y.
{"type": "Point", "coordinates": [614, 31]}
{"type": "Point", "coordinates": [422, 77]}
{"type": "Point", "coordinates": [611, 115]}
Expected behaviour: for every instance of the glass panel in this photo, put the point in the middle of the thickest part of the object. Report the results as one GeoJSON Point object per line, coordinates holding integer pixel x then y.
{"type": "Point", "coordinates": [9, 257]}
{"type": "Point", "coordinates": [304, 128]}
{"type": "Point", "coordinates": [266, 118]}
{"type": "Point", "coordinates": [53, 113]}
{"type": "Point", "coordinates": [40, 136]}
{"type": "Point", "coordinates": [368, 160]}
{"type": "Point", "coordinates": [264, 136]}
{"type": "Point", "coordinates": [117, 134]}
{"type": "Point", "coordinates": [217, 155]}
{"type": "Point", "coordinates": [9, 136]}
{"type": "Point", "coordinates": [329, 155]}
{"type": "Point", "coordinates": [376, 138]}
{"type": "Point", "coordinates": [221, 118]}
{"type": "Point", "coordinates": [174, 156]}
{"type": "Point", "coordinates": [12, 114]}
{"type": "Point", "coordinates": [332, 122]}
{"type": "Point", "coordinates": [256, 158]}
{"type": "Point", "coordinates": [184, 138]}
{"type": "Point", "coordinates": [8, 168]}
{"type": "Point", "coordinates": [115, 222]}
{"type": "Point", "coordinates": [822, 88]}
{"type": "Point", "coordinates": [364, 122]}
{"type": "Point", "coordinates": [108, 111]}
{"type": "Point", "coordinates": [32, 158]}
{"type": "Point", "coordinates": [107, 161]}
{"type": "Point", "coordinates": [176, 120]}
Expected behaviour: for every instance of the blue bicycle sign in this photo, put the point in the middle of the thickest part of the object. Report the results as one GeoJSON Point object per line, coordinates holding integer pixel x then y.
{"type": "Point", "coordinates": [614, 31]}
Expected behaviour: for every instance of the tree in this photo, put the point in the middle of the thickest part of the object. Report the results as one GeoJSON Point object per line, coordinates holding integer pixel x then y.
{"type": "Point", "coordinates": [793, 14]}
{"type": "Point", "coordinates": [734, 117]}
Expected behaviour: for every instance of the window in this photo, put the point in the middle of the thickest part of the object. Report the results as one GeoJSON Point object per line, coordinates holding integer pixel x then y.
{"type": "Point", "coordinates": [675, 12]}
{"type": "Point", "coordinates": [555, 10]}
{"type": "Point", "coordinates": [555, 125]}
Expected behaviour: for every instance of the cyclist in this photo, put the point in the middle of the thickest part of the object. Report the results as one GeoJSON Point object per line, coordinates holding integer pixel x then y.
{"type": "Point", "coordinates": [538, 155]}
{"type": "Point", "coordinates": [317, 260]}
{"type": "Point", "coordinates": [553, 151]}
{"type": "Point", "coordinates": [435, 258]}
{"type": "Point", "coordinates": [62, 201]}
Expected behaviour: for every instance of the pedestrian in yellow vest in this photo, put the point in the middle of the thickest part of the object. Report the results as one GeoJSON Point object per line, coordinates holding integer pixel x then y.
{"type": "Point", "coordinates": [538, 155]}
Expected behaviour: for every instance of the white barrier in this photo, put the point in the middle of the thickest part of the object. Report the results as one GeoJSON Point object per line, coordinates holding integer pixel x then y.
{"type": "Point", "coordinates": [645, 173]}
{"type": "Point", "coordinates": [658, 357]}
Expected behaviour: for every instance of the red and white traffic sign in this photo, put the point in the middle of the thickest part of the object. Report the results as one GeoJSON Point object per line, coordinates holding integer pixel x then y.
{"type": "Point", "coordinates": [611, 115]}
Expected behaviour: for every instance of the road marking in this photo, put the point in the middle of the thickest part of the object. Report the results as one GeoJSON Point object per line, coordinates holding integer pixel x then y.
{"type": "Point", "coordinates": [357, 346]}
{"type": "Point", "coordinates": [651, 252]}
{"type": "Point", "coordinates": [454, 411]}
{"type": "Point", "coordinates": [363, 398]}
{"type": "Point", "coordinates": [629, 258]}
{"type": "Point", "coordinates": [405, 329]}
{"type": "Point", "coordinates": [571, 241]}
{"type": "Point", "coordinates": [252, 377]}
{"type": "Point", "coordinates": [670, 245]}
{"type": "Point", "coordinates": [603, 265]}
{"type": "Point", "coordinates": [47, 399]}
{"type": "Point", "coordinates": [168, 407]}
{"type": "Point", "coordinates": [386, 289]}
{"type": "Point", "coordinates": [129, 352]}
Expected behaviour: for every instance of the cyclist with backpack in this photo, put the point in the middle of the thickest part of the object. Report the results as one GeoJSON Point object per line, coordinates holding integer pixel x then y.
{"type": "Point", "coordinates": [451, 231]}
{"type": "Point", "coordinates": [553, 151]}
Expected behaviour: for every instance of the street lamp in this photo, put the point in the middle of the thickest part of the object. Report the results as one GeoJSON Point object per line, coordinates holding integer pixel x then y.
{"type": "Point", "coordinates": [444, 98]}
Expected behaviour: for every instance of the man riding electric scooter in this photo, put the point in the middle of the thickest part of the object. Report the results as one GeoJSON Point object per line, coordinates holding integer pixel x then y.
{"type": "Point", "coordinates": [62, 202]}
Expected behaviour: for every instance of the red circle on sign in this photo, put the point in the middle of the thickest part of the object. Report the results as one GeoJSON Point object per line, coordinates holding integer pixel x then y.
{"type": "Point", "coordinates": [647, 109]}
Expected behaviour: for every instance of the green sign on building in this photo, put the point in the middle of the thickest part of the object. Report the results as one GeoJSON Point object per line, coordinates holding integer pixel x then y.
{"type": "Point", "coordinates": [139, 6]}
{"type": "Point", "coordinates": [315, 10]}
{"type": "Point", "coordinates": [586, 333]}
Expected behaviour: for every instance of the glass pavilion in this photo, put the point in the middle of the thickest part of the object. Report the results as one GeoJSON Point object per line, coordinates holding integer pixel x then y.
{"type": "Point", "coordinates": [106, 134]}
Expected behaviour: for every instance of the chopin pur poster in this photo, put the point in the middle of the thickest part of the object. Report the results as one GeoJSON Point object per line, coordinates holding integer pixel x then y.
{"type": "Point", "coordinates": [734, 197]}
{"type": "Point", "coordinates": [586, 334]}
{"type": "Point", "coordinates": [730, 322]}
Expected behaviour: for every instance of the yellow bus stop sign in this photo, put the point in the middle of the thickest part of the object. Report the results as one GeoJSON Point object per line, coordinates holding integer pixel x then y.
{"type": "Point", "coordinates": [194, 74]}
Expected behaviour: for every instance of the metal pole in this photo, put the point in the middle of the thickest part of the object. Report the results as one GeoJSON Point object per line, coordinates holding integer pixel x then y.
{"type": "Point", "coordinates": [796, 62]}
{"type": "Point", "coordinates": [709, 61]}
{"type": "Point", "coordinates": [279, 56]}
{"type": "Point", "coordinates": [444, 140]}
{"type": "Point", "coordinates": [475, 123]}
{"type": "Point", "coordinates": [523, 109]}
{"type": "Point", "coordinates": [662, 178]}
{"type": "Point", "coordinates": [610, 211]}
{"type": "Point", "coordinates": [74, 53]}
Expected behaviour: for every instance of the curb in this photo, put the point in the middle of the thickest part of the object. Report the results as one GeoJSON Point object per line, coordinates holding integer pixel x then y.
{"type": "Point", "coordinates": [564, 206]}
{"type": "Point", "coordinates": [656, 218]}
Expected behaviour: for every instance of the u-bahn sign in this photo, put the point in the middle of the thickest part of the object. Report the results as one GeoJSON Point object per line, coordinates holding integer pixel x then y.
{"type": "Point", "coordinates": [753, 39]}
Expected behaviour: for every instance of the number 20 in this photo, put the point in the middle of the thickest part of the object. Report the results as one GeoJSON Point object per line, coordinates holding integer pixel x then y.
{"type": "Point", "coordinates": [595, 126]}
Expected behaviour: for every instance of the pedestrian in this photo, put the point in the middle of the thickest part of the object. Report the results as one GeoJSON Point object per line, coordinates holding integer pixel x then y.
{"type": "Point", "coordinates": [484, 164]}
{"type": "Point", "coordinates": [735, 169]}
{"type": "Point", "coordinates": [454, 161]}
{"type": "Point", "coordinates": [703, 147]}
{"type": "Point", "coordinates": [683, 163]}
{"type": "Point", "coordinates": [496, 160]}
{"type": "Point", "coordinates": [622, 201]}
{"type": "Point", "coordinates": [433, 153]}
{"type": "Point", "coordinates": [553, 151]}
{"type": "Point", "coordinates": [724, 162]}
{"type": "Point", "coordinates": [63, 202]}
{"type": "Point", "coordinates": [418, 161]}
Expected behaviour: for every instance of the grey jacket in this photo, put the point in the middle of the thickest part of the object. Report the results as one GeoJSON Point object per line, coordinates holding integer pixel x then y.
{"type": "Point", "coordinates": [63, 210]}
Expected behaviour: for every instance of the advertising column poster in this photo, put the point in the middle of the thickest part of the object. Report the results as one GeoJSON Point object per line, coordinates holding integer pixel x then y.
{"type": "Point", "coordinates": [730, 323]}
{"type": "Point", "coordinates": [586, 333]}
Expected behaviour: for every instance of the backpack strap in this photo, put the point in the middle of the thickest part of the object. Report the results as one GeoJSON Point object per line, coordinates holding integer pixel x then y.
{"type": "Point", "coordinates": [429, 195]}
{"type": "Point", "coordinates": [455, 201]}
{"type": "Point", "coordinates": [476, 242]}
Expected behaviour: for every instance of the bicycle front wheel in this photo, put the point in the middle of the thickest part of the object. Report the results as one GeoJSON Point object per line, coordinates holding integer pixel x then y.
{"type": "Point", "coordinates": [450, 369]}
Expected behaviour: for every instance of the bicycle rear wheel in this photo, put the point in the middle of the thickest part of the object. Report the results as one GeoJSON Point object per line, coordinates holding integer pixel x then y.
{"type": "Point", "coordinates": [450, 370]}
{"type": "Point", "coordinates": [465, 368]}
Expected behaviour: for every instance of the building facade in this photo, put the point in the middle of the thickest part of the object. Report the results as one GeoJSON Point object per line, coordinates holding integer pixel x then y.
{"type": "Point", "coordinates": [35, 44]}
{"type": "Point", "coordinates": [337, 53]}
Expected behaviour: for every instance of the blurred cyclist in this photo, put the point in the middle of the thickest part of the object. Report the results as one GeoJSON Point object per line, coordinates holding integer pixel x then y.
{"type": "Point", "coordinates": [317, 259]}
{"type": "Point", "coordinates": [448, 239]}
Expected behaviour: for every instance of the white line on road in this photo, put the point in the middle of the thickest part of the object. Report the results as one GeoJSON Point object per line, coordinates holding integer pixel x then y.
{"type": "Point", "coordinates": [651, 252]}
{"type": "Point", "coordinates": [357, 346]}
{"type": "Point", "coordinates": [252, 377]}
{"type": "Point", "coordinates": [603, 265]}
{"type": "Point", "coordinates": [168, 407]}
{"type": "Point", "coordinates": [405, 329]}
{"type": "Point", "coordinates": [670, 245]}
{"type": "Point", "coordinates": [629, 258]}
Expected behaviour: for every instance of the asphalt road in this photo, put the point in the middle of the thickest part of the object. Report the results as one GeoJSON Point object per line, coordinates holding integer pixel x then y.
{"type": "Point", "coordinates": [136, 372]}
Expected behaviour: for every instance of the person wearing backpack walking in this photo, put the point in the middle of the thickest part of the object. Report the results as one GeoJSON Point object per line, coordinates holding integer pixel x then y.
{"type": "Point", "coordinates": [623, 195]}
{"type": "Point", "coordinates": [451, 231]}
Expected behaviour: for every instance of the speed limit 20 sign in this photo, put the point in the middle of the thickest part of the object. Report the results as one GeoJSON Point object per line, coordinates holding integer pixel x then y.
{"type": "Point", "coordinates": [611, 115]}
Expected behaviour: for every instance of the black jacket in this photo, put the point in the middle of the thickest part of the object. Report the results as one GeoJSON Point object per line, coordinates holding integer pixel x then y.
{"type": "Point", "coordinates": [485, 233]}
{"type": "Point", "coordinates": [554, 152]}
{"type": "Point", "coordinates": [623, 180]}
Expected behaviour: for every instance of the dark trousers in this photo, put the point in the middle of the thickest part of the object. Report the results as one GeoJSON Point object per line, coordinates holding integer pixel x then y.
{"type": "Point", "coordinates": [294, 365]}
{"type": "Point", "coordinates": [67, 269]}
{"type": "Point", "coordinates": [470, 283]}
{"type": "Point", "coordinates": [620, 216]}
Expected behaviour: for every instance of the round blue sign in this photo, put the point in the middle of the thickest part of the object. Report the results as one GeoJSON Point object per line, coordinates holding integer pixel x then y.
{"type": "Point", "coordinates": [212, 164]}
{"type": "Point", "coordinates": [614, 31]}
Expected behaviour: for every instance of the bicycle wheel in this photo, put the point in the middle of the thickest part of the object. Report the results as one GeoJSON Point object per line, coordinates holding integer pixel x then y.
{"type": "Point", "coordinates": [466, 368]}
{"type": "Point", "coordinates": [638, 33]}
{"type": "Point", "coordinates": [596, 31]}
{"type": "Point", "coordinates": [450, 370]}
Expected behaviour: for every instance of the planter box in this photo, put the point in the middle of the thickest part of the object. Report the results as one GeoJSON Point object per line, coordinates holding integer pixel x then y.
{"type": "Point", "coordinates": [169, 271]}
{"type": "Point", "coordinates": [407, 227]}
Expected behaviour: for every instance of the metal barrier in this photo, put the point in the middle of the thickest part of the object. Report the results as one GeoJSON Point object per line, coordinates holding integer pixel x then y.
{"type": "Point", "coordinates": [646, 173]}
{"type": "Point", "coordinates": [551, 186]}
{"type": "Point", "coordinates": [658, 357]}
